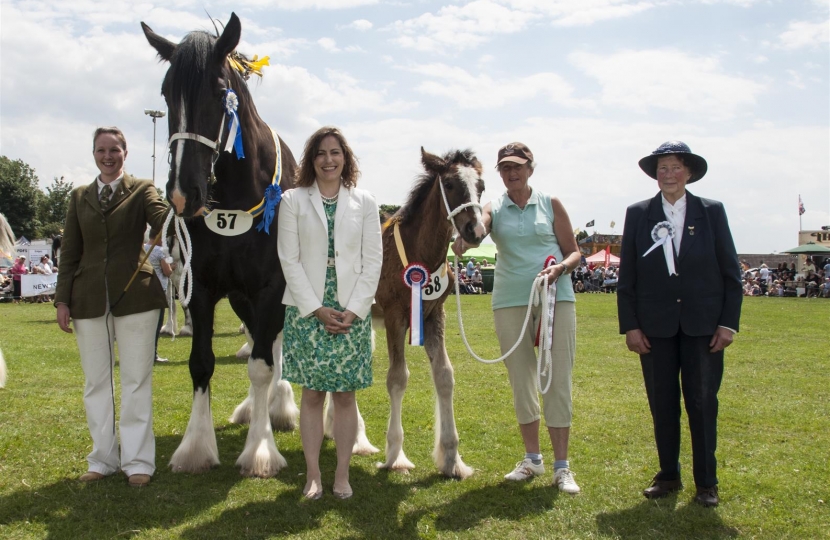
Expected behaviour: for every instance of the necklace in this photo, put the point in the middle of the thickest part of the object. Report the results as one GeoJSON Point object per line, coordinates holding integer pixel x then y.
{"type": "Point", "coordinates": [329, 200]}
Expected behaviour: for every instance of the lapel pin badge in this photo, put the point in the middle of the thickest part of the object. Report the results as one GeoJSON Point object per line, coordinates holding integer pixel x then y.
{"type": "Point", "coordinates": [691, 230]}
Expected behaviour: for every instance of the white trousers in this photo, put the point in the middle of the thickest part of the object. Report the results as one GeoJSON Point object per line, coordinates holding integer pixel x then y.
{"type": "Point", "coordinates": [136, 339]}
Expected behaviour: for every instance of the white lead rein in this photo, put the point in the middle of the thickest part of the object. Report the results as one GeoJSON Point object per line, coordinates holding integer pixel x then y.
{"type": "Point", "coordinates": [186, 249]}
{"type": "Point", "coordinates": [539, 293]}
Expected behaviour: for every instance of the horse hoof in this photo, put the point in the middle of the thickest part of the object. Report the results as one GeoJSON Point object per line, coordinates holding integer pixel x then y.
{"type": "Point", "coordinates": [400, 465]}
{"type": "Point", "coordinates": [459, 470]}
{"type": "Point", "coordinates": [244, 352]}
{"type": "Point", "coordinates": [242, 413]}
{"type": "Point", "coordinates": [362, 446]}
{"type": "Point", "coordinates": [186, 331]}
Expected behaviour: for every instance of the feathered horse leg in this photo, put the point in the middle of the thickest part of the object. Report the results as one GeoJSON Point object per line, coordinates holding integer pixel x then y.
{"type": "Point", "coordinates": [2, 370]}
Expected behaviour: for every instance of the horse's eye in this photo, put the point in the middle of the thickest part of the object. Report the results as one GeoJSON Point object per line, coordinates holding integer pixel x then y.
{"type": "Point", "coordinates": [448, 186]}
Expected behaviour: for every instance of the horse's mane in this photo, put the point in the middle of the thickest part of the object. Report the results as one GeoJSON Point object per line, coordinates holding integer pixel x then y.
{"type": "Point", "coordinates": [424, 181]}
{"type": "Point", "coordinates": [6, 237]}
{"type": "Point", "coordinates": [189, 70]}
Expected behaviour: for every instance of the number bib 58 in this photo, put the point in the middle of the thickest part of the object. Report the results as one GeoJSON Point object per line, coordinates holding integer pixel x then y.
{"type": "Point", "coordinates": [438, 284]}
{"type": "Point", "coordinates": [229, 222]}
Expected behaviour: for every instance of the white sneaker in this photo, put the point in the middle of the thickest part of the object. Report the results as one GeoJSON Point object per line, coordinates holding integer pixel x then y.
{"type": "Point", "coordinates": [525, 470]}
{"type": "Point", "coordinates": [564, 480]}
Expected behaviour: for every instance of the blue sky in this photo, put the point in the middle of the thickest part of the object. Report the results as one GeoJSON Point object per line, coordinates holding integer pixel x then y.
{"type": "Point", "coordinates": [590, 86]}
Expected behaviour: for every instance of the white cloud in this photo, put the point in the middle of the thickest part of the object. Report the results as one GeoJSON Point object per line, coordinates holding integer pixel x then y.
{"type": "Point", "coordinates": [582, 12]}
{"type": "Point", "coordinates": [805, 34]}
{"type": "Point", "coordinates": [360, 24]}
{"type": "Point", "coordinates": [795, 79]}
{"type": "Point", "coordinates": [668, 79]}
{"type": "Point", "coordinates": [298, 5]}
{"type": "Point", "coordinates": [455, 28]}
{"type": "Point", "coordinates": [482, 91]}
{"type": "Point", "coordinates": [328, 44]}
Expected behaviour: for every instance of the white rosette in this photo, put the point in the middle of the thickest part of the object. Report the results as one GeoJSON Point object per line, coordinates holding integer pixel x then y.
{"type": "Point", "coordinates": [662, 234]}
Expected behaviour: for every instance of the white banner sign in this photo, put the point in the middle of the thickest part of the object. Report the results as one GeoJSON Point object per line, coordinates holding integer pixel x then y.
{"type": "Point", "coordinates": [37, 284]}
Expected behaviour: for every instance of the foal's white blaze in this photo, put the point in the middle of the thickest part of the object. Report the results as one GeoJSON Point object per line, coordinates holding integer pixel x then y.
{"type": "Point", "coordinates": [469, 177]}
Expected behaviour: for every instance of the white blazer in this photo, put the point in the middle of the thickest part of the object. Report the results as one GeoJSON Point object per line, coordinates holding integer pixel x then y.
{"type": "Point", "coordinates": [302, 244]}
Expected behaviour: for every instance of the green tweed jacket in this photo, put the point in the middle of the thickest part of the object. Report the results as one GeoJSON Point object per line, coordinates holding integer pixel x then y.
{"type": "Point", "coordinates": [101, 250]}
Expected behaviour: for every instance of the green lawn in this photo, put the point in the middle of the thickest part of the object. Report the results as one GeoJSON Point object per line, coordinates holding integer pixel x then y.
{"type": "Point", "coordinates": [773, 450]}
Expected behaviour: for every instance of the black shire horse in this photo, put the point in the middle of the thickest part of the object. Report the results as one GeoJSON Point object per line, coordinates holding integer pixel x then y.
{"type": "Point", "coordinates": [220, 193]}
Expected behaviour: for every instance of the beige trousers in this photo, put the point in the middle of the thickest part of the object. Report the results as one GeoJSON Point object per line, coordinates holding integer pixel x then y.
{"type": "Point", "coordinates": [521, 365]}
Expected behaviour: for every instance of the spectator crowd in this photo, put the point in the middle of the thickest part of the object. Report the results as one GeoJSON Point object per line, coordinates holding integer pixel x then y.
{"type": "Point", "coordinates": [784, 280]}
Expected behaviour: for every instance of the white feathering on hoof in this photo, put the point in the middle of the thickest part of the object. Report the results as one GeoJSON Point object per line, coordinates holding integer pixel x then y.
{"type": "Point", "coordinates": [242, 412]}
{"type": "Point", "coordinates": [282, 409]}
{"type": "Point", "coordinates": [197, 452]}
{"type": "Point", "coordinates": [260, 457]}
{"type": "Point", "coordinates": [448, 463]}
{"type": "Point", "coordinates": [362, 446]}
{"type": "Point", "coordinates": [2, 370]}
{"type": "Point", "coordinates": [244, 351]}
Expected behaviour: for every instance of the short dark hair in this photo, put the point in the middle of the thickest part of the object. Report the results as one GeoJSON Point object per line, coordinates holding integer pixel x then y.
{"type": "Point", "coordinates": [305, 172]}
{"type": "Point", "coordinates": [112, 130]}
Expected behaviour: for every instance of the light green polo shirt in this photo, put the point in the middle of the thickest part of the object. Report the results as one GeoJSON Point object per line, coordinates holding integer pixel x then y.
{"type": "Point", "coordinates": [524, 238]}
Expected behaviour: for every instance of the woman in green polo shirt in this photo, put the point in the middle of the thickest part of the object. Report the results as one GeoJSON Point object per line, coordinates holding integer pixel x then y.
{"type": "Point", "coordinates": [527, 227]}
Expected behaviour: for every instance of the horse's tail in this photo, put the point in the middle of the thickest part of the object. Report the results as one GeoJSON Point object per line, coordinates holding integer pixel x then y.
{"type": "Point", "coordinates": [2, 370]}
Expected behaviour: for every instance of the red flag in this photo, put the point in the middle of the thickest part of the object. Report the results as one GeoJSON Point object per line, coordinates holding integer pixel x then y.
{"type": "Point", "coordinates": [607, 255]}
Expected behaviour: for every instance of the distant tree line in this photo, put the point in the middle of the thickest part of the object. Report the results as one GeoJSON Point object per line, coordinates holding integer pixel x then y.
{"type": "Point", "coordinates": [30, 211]}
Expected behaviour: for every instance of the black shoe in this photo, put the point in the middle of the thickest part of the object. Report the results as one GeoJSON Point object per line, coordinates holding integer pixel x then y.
{"type": "Point", "coordinates": [707, 497]}
{"type": "Point", "coordinates": [661, 488]}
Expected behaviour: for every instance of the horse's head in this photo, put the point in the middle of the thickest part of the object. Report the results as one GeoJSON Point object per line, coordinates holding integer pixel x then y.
{"type": "Point", "coordinates": [458, 174]}
{"type": "Point", "coordinates": [195, 88]}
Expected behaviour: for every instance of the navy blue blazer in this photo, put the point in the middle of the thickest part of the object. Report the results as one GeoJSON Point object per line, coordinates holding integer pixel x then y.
{"type": "Point", "coordinates": [707, 291]}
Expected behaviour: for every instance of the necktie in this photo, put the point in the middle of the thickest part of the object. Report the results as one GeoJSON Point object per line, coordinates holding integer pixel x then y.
{"type": "Point", "coordinates": [104, 197]}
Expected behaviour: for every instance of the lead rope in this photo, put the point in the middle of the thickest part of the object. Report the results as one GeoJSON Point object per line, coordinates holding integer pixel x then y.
{"type": "Point", "coordinates": [186, 249]}
{"type": "Point", "coordinates": [538, 294]}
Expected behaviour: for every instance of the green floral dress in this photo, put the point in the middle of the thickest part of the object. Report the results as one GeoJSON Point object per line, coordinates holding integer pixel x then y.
{"type": "Point", "coordinates": [319, 360]}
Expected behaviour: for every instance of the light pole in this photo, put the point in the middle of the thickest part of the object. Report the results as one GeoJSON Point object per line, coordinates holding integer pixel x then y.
{"type": "Point", "coordinates": [155, 115]}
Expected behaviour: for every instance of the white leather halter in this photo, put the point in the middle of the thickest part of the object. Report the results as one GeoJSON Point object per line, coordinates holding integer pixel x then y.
{"type": "Point", "coordinates": [452, 213]}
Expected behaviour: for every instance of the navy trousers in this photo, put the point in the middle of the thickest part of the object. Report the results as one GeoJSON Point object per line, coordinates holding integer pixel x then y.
{"type": "Point", "coordinates": [684, 362]}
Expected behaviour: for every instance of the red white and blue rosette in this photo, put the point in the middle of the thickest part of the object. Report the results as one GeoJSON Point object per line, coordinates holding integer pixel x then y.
{"type": "Point", "coordinates": [416, 276]}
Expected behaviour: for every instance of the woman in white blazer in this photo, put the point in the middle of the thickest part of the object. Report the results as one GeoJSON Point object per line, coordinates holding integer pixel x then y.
{"type": "Point", "coordinates": [330, 250]}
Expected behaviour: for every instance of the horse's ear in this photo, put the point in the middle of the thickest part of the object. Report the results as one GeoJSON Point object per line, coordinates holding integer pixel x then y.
{"type": "Point", "coordinates": [229, 39]}
{"type": "Point", "coordinates": [432, 162]}
{"type": "Point", "coordinates": [163, 46]}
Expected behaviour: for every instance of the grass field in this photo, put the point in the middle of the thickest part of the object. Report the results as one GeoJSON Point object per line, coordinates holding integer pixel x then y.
{"type": "Point", "coordinates": [773, 444]}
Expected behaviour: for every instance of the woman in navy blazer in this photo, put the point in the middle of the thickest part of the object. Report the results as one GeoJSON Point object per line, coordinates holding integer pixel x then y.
{"type": "Point", "coordinates": [330, 250]}
{"type": "Point", "coordinates": [679, 303]}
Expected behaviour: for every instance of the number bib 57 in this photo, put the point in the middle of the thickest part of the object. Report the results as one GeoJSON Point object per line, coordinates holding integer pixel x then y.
{"type": "Point", "coordinates": [229, 222]}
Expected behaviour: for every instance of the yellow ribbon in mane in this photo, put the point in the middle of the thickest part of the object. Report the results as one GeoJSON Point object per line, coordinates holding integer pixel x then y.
{"type": "Point", "coordinates": [248, 67]}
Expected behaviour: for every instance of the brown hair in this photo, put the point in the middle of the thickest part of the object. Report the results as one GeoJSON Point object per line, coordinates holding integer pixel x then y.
{"type": "Point", "coordinates": [305, 172]}
{"type": "Point", "coordinates": [110, 131]}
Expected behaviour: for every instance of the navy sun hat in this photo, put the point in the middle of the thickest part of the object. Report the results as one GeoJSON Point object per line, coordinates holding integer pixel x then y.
{"type": "Point", "coordinates": [697, 165]}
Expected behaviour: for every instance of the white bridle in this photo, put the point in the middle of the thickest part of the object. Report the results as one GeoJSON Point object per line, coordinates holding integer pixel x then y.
{"type": "Point", "coordinates": [213, 145]}
{"type": "Point", "coordinates": [452, 213]}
